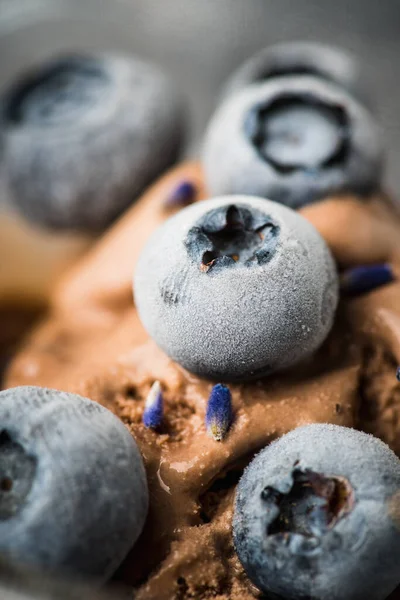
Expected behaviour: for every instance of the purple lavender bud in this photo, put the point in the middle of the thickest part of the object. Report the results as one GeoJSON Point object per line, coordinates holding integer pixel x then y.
{"type": "Point", "coordinates": [219, 414]}
{"type": "Point", "coordinates": [182, 195]}
{"type": "Point", "coordinates": [154, 407]}
{"type": "Point", "coordinates": [365, 278]}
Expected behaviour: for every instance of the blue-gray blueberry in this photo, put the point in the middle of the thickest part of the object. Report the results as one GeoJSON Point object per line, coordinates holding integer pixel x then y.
{"type": "Point", "coordinates": [294, 140]}
{"type": "Point", "coordinates": [84, 135]}
{"type": "Point", "coordinates": [234, 288]}
{"type": "Point", "coordinates": [315, 516]}
{"type": "Point", "coordinates": [73, 490]}
{"type": "Point", "coordinates": [19, 582]}
{"type": "Point", "coordinates": [299, 58]}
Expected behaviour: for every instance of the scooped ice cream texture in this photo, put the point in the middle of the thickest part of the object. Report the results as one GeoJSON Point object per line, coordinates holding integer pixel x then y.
{"type": "Point", "coordinates": [93, 344]}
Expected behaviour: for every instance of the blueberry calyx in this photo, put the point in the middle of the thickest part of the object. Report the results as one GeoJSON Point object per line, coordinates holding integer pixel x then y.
{"type": "Point", "coordinates": [313, 504]}
{"type": "Point", "coordinates": [17, 473]}
{"type": "Point", "coordinates": [299, 132]}
{"type": "Point", "coordinates": [57, 92]}
{"type": "Point", "coordinates": [230, 236]}
{"type": "Point", "coordinates": [290, 70]}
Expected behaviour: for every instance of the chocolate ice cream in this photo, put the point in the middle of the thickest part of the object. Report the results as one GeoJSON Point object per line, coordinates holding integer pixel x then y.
{"type": "Point", "coordinates": [93, 344]}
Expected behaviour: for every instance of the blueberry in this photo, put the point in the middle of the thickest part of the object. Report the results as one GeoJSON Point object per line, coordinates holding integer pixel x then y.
{"type": "Point", "coordinates": [73, 491]}
{"type": "Point", "coordinates": [19, 582]}
{"type": "Point", "coordinates": [84, 135]}
{"type": "Point", "coordinates": [315, 516]}
{"type": "Point", "coordinates": [293, 140]}
{"type": "Point", "coordinates": [299, 58]}
{"type": "Point", "coordinates": [236, 287]}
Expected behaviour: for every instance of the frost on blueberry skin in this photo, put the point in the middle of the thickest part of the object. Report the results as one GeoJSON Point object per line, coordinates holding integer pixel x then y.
{"type": "Point", "coordinates": [298, 58]}
{"type": "Point", "coordinates": [234, 288]}
{"type": "Point", "coordinates": [21, 582]}
{"type": "Point", "coordinates": [294, 140]}
{"type": "Point", "coordinates": [84, 135]}
{"type": "Point", "coordinates": [312, 519]}
{"type": "Point", "coordinates": [73, 490]}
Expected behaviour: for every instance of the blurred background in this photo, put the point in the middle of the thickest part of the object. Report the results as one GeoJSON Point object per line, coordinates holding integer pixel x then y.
{"type": "Point", "coordinates": [201, 41]}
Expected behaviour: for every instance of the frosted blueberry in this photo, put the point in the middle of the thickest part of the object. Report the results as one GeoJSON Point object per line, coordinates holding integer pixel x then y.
{"type": "Point", "coordinates": [73, 491]}
{"type": "Point", "coordinates": [84, 135]}
{"type": "Point", "coordinates": [24, 583]}
{"type": "Point", "coordinates": [315, 517]}
{"type": "Point", "coordinates": [293, 140]}
{"type": "Point", "coordinates": [234, 288]}
{"type": "Point", "coordinates": [299, 58]}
